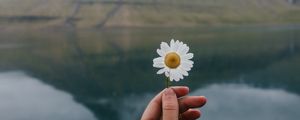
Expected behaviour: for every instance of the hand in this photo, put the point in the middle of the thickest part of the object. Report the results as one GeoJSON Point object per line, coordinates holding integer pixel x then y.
{"type": "Point", "coordinates": [171, 105]}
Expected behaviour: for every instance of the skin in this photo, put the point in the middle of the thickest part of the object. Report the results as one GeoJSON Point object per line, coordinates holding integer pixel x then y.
{"type": "Point", "coordinates": [173, 104]}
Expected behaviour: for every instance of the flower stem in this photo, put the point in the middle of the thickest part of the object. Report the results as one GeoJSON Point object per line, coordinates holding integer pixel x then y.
{"type": "Point", "coordinates": [168, 82]}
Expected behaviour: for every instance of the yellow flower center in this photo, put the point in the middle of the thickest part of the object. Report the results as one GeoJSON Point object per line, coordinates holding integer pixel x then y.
{"type": "Point", "coordinates": [172, 60]}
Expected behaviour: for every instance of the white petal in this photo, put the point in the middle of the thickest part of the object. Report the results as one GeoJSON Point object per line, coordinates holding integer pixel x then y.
{"type": "Point", "coordinates": [172, 75]}
{"type": "Point", "coordinates": [176, 45]}
{"type": "Point", "coordinates": [181, 46]}
{"type": "Point", "coordinates": [176, 75]}
{"type": "Point", "coordinates": [177, 79]}
{"type": "Point", "coordinates": [183, 72]}
{"type": "Point", "coordinates": [160, 52]}
{"type": "Point", "coordinates": [165, 47]}
{"type": "Point", "coordinates": [172, 43]}
{"type": "Point", "coordinates": [158, 64]}
{"type": "Point", "coordinates": [180, 75]}
{"type": "Point", "coordinates": [186, 67]}
{"type": "Point", "coordinates": [187, 62]}
{"type": "Point", "coordinates": [188, 56]}
{"type": "Point", "coordinates": [158, 60]}
{"type": "Point", "coordinates": [161, 71]}
{"type": "Point", "coordinates": [185, 50]}
{"type": "Point", "coordinates": [167, 74]}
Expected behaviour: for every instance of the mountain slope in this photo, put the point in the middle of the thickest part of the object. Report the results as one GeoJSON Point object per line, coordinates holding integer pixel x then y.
{"type": "Point", "coordinates": [99, 13]}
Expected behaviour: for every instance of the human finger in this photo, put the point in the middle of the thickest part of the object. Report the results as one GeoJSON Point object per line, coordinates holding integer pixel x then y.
{"type": "Point", "coordinates": [153, 110]}
{"type": "Point", "coordinates": [170, 108]}
{"type": "Point", "coordinates": [188, 102]}
{"type": "Point", "coordinates": [191, 114]}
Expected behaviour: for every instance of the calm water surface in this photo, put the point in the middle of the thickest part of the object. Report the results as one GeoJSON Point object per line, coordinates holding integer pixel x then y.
{"type": "Point", "coordinates": [246, 72]}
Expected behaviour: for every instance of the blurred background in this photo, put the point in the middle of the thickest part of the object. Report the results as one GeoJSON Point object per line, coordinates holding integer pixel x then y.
{"type": "Point", "coordinates": [92, 59]}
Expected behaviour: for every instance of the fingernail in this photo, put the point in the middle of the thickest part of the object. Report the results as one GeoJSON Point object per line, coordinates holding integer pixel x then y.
{"type": "Point", "coordinates": [169, 92]}
{"type": "Point", "coordinates": [203, 99]}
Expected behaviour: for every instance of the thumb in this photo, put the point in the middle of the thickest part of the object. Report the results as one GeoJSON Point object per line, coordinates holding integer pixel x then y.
{"type": "Point", "coordinates": [170, 105]}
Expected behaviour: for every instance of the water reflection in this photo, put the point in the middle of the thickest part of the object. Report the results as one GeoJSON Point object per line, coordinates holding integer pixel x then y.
{"type": "Point", "coordinates": [231, 102]}
{"type": "Point", "coordinates": [26, 98]}
{"type": "Point", "coordinates": [110, 72]}
{"type": "Point", "coordinates": [242, 102]}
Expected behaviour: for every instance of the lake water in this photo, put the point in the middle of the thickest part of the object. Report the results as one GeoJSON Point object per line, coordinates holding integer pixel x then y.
{"type": "Point", "coordinates": [248, 72]}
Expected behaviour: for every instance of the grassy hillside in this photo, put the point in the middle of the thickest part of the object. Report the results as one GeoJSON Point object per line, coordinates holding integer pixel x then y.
{"type": "Point", "coordinates": [93, 13]}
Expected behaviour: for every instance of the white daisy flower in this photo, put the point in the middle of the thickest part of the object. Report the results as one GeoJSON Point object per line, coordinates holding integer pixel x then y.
{"type": "Point", "coordinates": [174, 60]}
